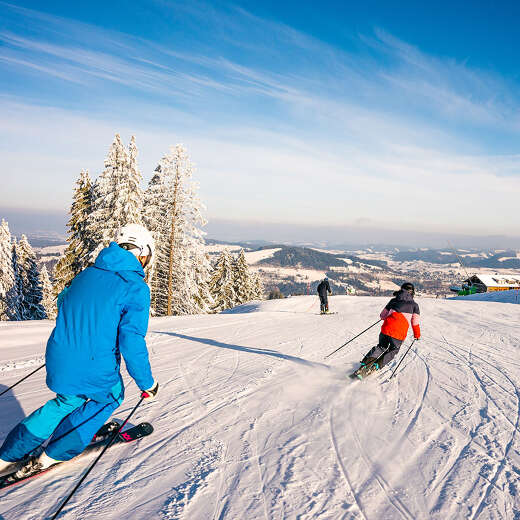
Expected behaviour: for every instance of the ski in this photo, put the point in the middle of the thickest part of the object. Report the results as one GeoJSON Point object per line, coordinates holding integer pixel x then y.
{"type": "Point", "coordinates": [365, 370]}
{"type": "Point", "coordinates": [325, 313]}
{"type": "Point", "coordinates": [105, 431]}
{"type": "Point", "coordinates": [101, 438]}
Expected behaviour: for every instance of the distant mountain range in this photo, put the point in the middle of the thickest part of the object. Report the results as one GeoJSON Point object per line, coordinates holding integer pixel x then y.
{"type": "Point", "coordinates": [477, 259]}
{"type": "Point", "coordinates": [307, 258]}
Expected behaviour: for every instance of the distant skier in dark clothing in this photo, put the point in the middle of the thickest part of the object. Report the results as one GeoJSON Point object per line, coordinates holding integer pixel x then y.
{"type": "Point", "coordinates": [399, 313]}
{"type": "Point", "coordinates": [323, 289]}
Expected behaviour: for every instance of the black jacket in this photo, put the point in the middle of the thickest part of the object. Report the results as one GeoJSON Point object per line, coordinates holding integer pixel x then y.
{"type": "Point", "coordinates": [323, 288]}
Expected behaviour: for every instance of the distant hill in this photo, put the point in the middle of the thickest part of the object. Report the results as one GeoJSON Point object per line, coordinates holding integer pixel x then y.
{"type": "Point", "coordinates": [302, 257]}
{"type": "Point", "coordinates": [246, 244]}
{"type": "Point", "coordinates": [506, 260]}
{"type": "Point", "coordinates": [492, 259]}
{"type": "Point", "coordinates": [307, 258]}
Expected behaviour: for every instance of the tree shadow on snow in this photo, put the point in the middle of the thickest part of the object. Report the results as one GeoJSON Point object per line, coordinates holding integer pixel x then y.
{"type": "Point", "coordinates": [242, 309]}
{"type": "Point", "coordinates": [11, 413]}
{"type": "Point", "coordinates": [249, 350]}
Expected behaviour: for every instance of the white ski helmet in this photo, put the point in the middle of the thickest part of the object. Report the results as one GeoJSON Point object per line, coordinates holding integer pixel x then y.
{"type": "Point", "coordinates": [137, 236]}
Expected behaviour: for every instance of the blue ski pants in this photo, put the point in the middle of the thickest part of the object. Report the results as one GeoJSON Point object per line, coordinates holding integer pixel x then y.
{"type": "Point", "coordinates": [72, 420]}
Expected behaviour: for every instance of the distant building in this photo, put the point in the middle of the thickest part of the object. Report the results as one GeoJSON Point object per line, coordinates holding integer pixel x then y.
{"type": "Point", "coordinates": [491, 282]}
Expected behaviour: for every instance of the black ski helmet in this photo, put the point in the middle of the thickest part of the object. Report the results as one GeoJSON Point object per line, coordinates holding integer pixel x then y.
{"type": "Point", "coordinates": [407, 286]}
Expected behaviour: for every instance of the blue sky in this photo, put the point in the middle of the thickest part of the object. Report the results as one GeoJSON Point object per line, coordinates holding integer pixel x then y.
{"type": "Point", "coordinates": [386, 115]}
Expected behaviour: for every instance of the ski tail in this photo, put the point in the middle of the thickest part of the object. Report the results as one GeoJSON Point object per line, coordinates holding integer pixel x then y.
{"type": "Point", "coordinates": [102, 438]}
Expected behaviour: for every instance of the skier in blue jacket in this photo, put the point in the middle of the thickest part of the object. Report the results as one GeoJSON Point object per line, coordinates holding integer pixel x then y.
{"type": "Point", "coordinates": [102, 316]}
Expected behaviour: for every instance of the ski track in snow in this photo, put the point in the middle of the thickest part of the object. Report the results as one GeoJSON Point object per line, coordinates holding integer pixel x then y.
{"type": "Point", "coordinates": [341, 465]}
{"type": "Point", "coordinates": [250, 423]}
{"type": "Point", "coordinates": [390, 494]}
{"type": "Point", "coordinates": [489, 398]}
{"type": "Point", "coordinates": [19, 364]}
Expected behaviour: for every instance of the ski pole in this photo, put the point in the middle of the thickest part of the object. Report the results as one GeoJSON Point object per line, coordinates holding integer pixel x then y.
{"type": "Point", "coordinates": [112, 439]}
{"type": "Point", "coordinates": [395, 369]}
{"type": "Point", "coordinates": [345, 344]}
{"type": "Point", "coordinates": [23, 379]}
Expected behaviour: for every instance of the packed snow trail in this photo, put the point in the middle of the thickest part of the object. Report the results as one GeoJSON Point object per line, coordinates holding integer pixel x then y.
{"type": "Point", "coordinates": [252, 423]}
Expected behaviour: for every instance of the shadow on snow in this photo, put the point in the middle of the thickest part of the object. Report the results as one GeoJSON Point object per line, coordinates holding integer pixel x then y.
{"type": "Point", "coordinates": [248, 350]}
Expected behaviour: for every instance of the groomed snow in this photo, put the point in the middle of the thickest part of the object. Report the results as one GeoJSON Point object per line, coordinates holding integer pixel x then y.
{"type": "Point", "coordinates": [254, 257]}
{"type": "Point", "coordinates": [252, 423]}
{"type": "Point", "coordinates": [512, 296]}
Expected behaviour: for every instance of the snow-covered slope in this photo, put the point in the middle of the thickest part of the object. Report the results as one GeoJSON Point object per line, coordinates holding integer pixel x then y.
{"type": "Point", "coordinates": [252, 423]}
{"type": "Point", "coordinates": [512, 296]}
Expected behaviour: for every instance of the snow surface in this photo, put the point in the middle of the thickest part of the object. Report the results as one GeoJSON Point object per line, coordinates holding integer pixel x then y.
{"type": "Point", "coordinates": [51, 250]}
{"type": "Point", "coordinates": [252, 422]}
{"type": "Point", "coordinates": [283, 273]}
{"type": "Point", "coordinates": [218, 248]}
{"type": "Point", "coordinates": [511, 296]}
{"type": "Point", "coordinates": [254, 257]}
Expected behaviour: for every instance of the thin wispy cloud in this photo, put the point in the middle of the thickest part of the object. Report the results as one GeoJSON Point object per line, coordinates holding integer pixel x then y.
{"type": "Point", "coordinates": [274, 110]}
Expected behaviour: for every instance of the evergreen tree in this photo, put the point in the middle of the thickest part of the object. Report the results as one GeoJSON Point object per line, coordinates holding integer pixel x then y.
{"type": "Point", "coordinates": [257, 287]}
{"type": "Point", "coordinates": [275, 294]}
{"type": "Point", "coordinates": [154, 214]}
{"type": "Point", "coordinates": [173, 214]}
{"type": "Point", "coordinates": [80, 239]}
{"type": "Point", "coordinates": [19, 282]}
{"type": "Point", "coordinates": [117, 194]}
{"type": "Point", "coordinates": [222, 283]}
{"type": "Point", "coordinates": [242, 280]}
{"type": "Point", "coordinates": [31, 288]}
{"type": "Point", "coordinates": [9, 296]}
{"type": "Point", "coordinates": [48, 300]}
{"type": "Point", "coordinates": [202, 297]}
{"type": "Point", "coordinates": [131, 191]}
{"type": "Point", "coordinates": [199, 263]}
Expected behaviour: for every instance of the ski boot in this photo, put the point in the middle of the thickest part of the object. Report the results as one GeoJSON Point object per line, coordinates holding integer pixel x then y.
{"type": "Point", "coordinates": [35, 465]}
{"type": "Point", "coordinates": [367, 367]}
{"type": "Point", "coordinates": [5, 465]}
{"type": "Point", "coordinates": [105, 432]}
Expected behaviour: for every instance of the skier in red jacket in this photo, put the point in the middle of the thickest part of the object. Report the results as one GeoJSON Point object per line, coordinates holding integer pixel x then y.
{"type": "Point", "coordinates": [399, 313]}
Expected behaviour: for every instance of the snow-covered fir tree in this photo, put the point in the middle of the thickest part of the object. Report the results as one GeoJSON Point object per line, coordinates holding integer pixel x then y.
{"type": "Point", "coordinates": [17, 270]}
{"type": "Point", "coordinates": [257, 285]}
{"type": "Point", "coordinates": [80, 239]}
{"type": "Point", "coordinates": [173, 214]}
{"type": "Point", "coordinates": [48, 301]}
{"type": "Point", "coordinates": [117, 195]}
{"type": "Point", "coordinates": [31, 307]}
{"type": "Point", "coordinates": [9, 295]}
{"type": "Point", "coordinates": [203, 298]}
{"type": "Point", "coordinates": [222, 283]}
{"type": "Point", "coordinates": [242, 280]}
{"type": "Point", "coordinates": [154, 213]}
{"type": "Point", "coordinates": [130, 190]}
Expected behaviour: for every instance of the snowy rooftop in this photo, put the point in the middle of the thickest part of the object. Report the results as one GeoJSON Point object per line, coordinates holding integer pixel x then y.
{"type": "Point", "coordinates": [496, 280]}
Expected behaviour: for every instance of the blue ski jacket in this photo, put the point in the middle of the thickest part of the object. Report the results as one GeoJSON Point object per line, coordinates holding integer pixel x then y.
{"type": "Point", "coordinates": [102, 315]}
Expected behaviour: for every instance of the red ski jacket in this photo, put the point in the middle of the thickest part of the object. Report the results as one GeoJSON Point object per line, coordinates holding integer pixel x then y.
{"type": "Point", "coordinates": [398, 314]}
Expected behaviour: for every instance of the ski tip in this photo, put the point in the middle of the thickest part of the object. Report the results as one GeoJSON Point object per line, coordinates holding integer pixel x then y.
{"type": "Point", "coordinates": [147, 427]}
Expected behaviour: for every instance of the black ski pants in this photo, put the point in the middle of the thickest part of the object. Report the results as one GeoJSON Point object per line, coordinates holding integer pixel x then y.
{"type": "Point", "coordinates": [386, 349]}
{"type": "Point", "coordinates": [324, 302]}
